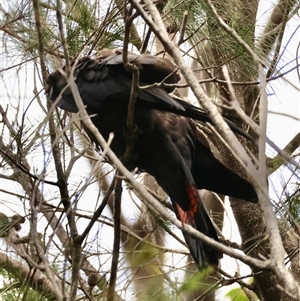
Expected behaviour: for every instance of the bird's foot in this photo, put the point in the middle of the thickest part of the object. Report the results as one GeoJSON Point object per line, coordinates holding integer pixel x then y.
{"type": "Point", "coordinates": [131, 134]}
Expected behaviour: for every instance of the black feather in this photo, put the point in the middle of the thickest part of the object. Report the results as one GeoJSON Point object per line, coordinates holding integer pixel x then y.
{"type": "Point", "coordinates": [169, 144]}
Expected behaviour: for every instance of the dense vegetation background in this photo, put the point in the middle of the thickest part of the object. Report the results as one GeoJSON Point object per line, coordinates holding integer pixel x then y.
{"type": "Point", "coordinates": [60, 219]}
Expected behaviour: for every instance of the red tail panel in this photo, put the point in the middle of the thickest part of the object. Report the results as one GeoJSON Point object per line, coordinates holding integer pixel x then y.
{"type": "Point", "coordinates": [189, 216]}
{"type": "Point", "coordinates": [196, 216]}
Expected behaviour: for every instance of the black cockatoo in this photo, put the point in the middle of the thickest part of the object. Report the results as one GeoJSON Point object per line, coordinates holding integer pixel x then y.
{"type": "Point", "coordinates": [168, 144]}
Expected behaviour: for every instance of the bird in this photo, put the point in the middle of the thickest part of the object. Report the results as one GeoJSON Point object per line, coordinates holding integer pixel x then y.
{"type": "Point", "coordinates": [168, 143]}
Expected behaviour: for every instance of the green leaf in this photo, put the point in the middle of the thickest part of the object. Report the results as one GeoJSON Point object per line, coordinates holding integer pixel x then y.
{"type": "Point", "coordinates": [237, 294]}
{"type": "Point", "coordinates": [194, 283]}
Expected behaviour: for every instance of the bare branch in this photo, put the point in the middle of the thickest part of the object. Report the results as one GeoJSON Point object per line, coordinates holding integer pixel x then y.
{"type": "Point", "coordinates": [117, 238]}
{"type": "Point", "coordinates": [21, 271]}
{"type": "Point", "coordinates": [279, 160]}
{"type": "Point", "coordinates": [274, 25]}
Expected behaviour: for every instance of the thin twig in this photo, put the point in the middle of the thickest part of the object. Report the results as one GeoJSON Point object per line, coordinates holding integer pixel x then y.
{"type": "Point", "coordinates": [130, 125]}
{"type": "Point", "coordinates": [117, 239]}
{"type": "Point", "coordinates": [98, 212]}
{"type": "Point", "coordinates": [182, 28]}
{"type": "Point", "coordinates": [62, 36]}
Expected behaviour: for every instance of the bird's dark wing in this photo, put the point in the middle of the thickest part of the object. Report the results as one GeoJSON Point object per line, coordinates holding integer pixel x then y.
{"type": "Point", "coordinates": [152, 69]}
{"type": "Point", "coordinates": [218, 177]}
{"type": "Point", "coordinates": [166, 149]}
{"type": "Point", "coordinates": [181, 162]}
{"type": "Point", "coordinates": [196, 113]}
{"type": "Point", "coordinates": [99, 79]}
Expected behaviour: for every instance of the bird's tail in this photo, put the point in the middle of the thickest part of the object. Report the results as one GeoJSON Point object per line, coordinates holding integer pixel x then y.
{"type": "Point", "coordinates": [190, 210]}
{"type": "Point", "coordinates": [196, 216]}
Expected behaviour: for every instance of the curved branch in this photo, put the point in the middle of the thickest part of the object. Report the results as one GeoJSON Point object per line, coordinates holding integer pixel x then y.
{"type": "Point", "coordinates": [278, 160]}
{"type": "Point", "coordinates": [273, 28]}
{"type": "Point", "coordinates": [20, 271]}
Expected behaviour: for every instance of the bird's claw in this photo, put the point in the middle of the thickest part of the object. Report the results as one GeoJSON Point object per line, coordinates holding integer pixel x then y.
{"type": "Point", "coordinates": [130, 134]}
